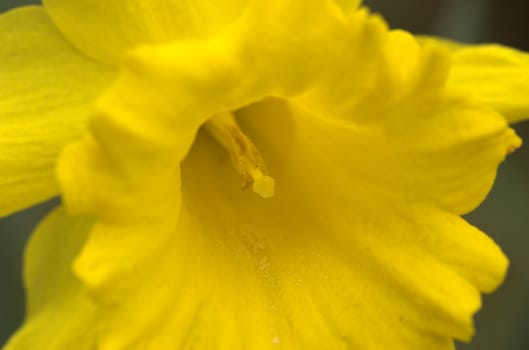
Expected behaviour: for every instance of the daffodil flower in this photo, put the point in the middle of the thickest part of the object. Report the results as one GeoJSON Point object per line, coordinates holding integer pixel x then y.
{"type": "Point", "coordinates": [250, 174]}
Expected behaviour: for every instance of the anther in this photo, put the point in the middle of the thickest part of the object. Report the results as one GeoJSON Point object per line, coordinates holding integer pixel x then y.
{"type": "Point", "coordinates": [245, 157]}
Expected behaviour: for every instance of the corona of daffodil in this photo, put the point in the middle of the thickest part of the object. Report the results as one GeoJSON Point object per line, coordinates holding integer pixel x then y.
{"type": "Point", "coordinates": [246, 174]}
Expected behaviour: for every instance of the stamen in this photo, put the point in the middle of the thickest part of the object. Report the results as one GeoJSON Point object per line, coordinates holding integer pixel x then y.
{"type": "Point", "coordinates": [245, 157]}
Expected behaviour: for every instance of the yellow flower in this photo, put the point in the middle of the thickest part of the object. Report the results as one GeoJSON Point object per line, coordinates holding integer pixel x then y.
{"type": "Point", "coordinates": [367, 145]}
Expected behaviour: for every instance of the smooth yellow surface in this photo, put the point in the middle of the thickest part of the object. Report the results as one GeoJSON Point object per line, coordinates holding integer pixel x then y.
{"type": "Point", "coordinates": [348, 5]}
{"type": "Point", "coordinates": [46, 91]}
{"type": "Point", "coordinates": [374, 155]}
{"type": "Point", "coordinates": [59, 313]}
{"type": "Point", "coordinates": [496, 75]}
{"type": "Point", "coordinates": [362, 244]}
{"type": "Point", "coordinates": [106, 29]}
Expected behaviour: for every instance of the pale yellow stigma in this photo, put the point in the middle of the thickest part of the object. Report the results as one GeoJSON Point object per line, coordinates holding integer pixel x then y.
{"type": "Point", "coordinates": [244, 155]}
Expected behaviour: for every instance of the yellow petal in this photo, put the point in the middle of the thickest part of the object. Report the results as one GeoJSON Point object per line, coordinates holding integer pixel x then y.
{"type": "Point", "coordinates": [496, 75]}
{"type": "Point", "coordinates": [113, 168]}
{"type": "Point", "coordinates": [373, 159]}
{"type": "Point", "coordinates": [323, 264]}
{"type": "Point", "coordinates": [326, 262]}
{"type": "Point", "coordinates": [106, 29]}
{"type": "Point", "coordinates": [348, 5]}
{"type": "Point", "coordinates": [59, 314]}
{"type": "Point", "coordinates": [314, 155]}
{"type": "Point", "coordinates": [403, 91]}
{"type": "Point", "coordinates": [46, 92]}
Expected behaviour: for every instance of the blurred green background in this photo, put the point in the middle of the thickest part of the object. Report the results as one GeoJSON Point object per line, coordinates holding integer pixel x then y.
{"type": "Point", "coordinates": [503, 324]}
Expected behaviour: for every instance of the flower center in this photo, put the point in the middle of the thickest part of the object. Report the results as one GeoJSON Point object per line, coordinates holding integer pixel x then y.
{"type": "Point", "coordinates": [245, 157]}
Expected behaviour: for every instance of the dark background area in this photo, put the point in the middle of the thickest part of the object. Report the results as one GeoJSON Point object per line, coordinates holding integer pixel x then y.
{"type": "Point", "coordinates": [503, 324]}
